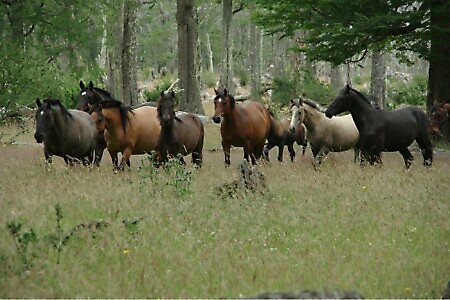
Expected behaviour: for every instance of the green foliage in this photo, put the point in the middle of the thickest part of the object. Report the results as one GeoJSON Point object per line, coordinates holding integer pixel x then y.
{"type": "Point", "coordinates": [22, 241]}
{"type": "Point", "coordinates": [242, 73]}
{"type": "Point", "coordinates": [209, 79]}
{"type": "Point", "coordinates": [155, 93]}
{"type": "Point", "coordinates": [286, 89]}
{"type": "Point", "coordinates": [412, 92]}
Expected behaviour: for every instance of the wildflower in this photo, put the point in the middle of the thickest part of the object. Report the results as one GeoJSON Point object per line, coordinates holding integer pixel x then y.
{"type": "Point", "coordinates": [126, 251]}
{"type": "Point", "coordinates": [413, 229]}
{"type": "Point", "coordinates": [407, 290]}
{"type": "Point", "coordinates": [364, 187]}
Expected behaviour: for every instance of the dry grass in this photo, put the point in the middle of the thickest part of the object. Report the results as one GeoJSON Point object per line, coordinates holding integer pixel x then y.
{"type": "Point", "coordinates": [383, 232]}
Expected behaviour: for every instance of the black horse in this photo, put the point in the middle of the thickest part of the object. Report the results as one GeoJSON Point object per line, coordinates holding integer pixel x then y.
{"type": "Point", "coordinates": [381, 130]}
{"type": "Point", "coordinates": [70, 134]}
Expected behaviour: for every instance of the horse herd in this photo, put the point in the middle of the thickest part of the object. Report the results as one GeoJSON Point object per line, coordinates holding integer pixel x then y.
{"type": "Point", "coordinates": [100, 122]}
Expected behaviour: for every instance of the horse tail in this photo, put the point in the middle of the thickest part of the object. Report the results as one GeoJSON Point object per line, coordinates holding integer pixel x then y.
{"type": "Point", "coordinates": [197, 154]}
{"type": "Point", "coordinates": [423, 136]}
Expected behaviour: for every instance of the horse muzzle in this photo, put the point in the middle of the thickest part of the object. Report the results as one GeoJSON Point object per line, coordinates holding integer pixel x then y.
{"type": "Point", "coordinates": [216, 119]}
{"type": "Point", "coordinates": [39, 137]}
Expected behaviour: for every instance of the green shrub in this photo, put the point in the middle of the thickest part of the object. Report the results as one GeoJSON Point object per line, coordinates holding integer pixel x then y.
{"type": "Point", "coordinates": [209, 79]}
{"type": "Point", "coordinates": [284, 90]}
{"type": "Point", "coordinates": [412, 92]}
{"type": "Point", "coordinates": [154, 94]}
{"type": "Point", "coordinates": [312, 88]}
{"type": "Point", "coordinates": [241, 73]}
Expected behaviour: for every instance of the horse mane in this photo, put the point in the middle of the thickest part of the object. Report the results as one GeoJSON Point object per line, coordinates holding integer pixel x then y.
{"type": "Point", "coordinates": [105, 95]}
{"type": "Point", "coordinates": [313, 104]}
{"type": "Point", "coordinates": [57, 102]}
{"type": "Point", "coordinates": [364, 97]}
{"type": "Point", "coordinates": [123, 109]}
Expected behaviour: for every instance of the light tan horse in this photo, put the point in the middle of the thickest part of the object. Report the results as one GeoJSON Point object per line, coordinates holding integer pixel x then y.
{"type": "Point", "coordinates": [129, 131]}
{"type": "Point", "coordinates": [324, 134]}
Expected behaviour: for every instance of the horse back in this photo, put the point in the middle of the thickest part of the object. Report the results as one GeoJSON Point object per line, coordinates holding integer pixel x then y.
{"type": "Point", "coordinates": [190, 132]}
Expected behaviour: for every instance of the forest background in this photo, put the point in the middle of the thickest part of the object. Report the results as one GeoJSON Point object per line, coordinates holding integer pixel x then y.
{"type": "Point", "coordinates": [394, 50]}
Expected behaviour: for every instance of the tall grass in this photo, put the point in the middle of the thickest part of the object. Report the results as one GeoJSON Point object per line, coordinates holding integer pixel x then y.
{"type": "Point", "coordinates": [381, 231]}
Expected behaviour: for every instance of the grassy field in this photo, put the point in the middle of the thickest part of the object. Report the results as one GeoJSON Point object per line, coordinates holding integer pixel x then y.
{"type": "Point", "coordinates": [89, 232]}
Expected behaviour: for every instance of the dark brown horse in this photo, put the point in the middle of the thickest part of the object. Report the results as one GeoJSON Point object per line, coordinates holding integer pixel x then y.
{"type": "Point", "coordinates": [180, 135]}
{"type": "Point", "coordinates": [244, 125]}
{"type": "Point", "coordinates": [69, 134]}
{"type": "Point", "coordinates": [280, 135]}
{"type": "Point", "coordinates": [129, 131]}
{"type": "Point", "coordinates": [439, 119]}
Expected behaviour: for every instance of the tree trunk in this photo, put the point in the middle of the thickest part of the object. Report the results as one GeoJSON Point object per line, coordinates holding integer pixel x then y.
{"type": "Point", "coordinates": [255, 63]}
{"type": "Point", "coordinates": [129, 55]}
{"type": "Point", "coordinates": [210, 53]}
{"type": "Point", "coordinates": [279, 55]}
{"type": "Point", "coordinates": [187, 36]}
{"type": "Point", "coordinates": [439, 70]}
{"type": "Point", "coordinates": [336, 79]}
{"type": "Point", "coordinates": [378, 78]}
{"type": "Point", "coordinates": [113, 54]}
{"type": "Point", "coordinates": [226, 77]}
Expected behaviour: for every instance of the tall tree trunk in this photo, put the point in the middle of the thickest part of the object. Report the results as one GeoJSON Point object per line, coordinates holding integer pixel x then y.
{"type": "Point", "coordinates": [187, 36]}
{"type": "Point", "coordinates": [378, 78]}
{"type": "Point", "coordinates": [113, 53]}
{"type": "Point", "coordinates": [439, 70]}
{"type": "Point", "coordinates": [336, 78]}
{"type": "Point", "coordinates": [226, 76]}
{"type": "Point", "coordinates": [129, 55]}
{"type": "Point", "coordinates": [255, 63]}
{"type": "Point", "coordinates": [209, 53]}
{"type": "Point", "coordinates": [279, 55]}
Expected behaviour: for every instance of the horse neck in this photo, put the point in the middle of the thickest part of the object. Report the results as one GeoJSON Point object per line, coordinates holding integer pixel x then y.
{"type": "Point", "coordinates": [312, 123]}
{"type": "Point", "coordinates": [113, 123]}
{"type": "Point", "coordinates": [167, 128]}
{"type": "Point", "coordinates": [61, 121]}
{"type": "Point", "coordinates": [360, 110]}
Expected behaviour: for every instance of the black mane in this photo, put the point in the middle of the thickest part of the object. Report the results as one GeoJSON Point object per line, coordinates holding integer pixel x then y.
{"type": "Point", "coordinates": [57, 102]}
{"type": "Point", "coordinates": [313, 104]}
{"type": "Point", "coordinates": [123, 109]}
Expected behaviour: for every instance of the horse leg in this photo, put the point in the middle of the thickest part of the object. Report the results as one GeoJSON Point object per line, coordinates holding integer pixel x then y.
{"type": "Point", "coordinates": [291, 151]}
{"type": "Point", "coordinates": [322, 153]}
{"type": "Point", "coordinates": [407, 157]}
{"type": "Point", "coordinates": [99, 149]}
{"type": "Point", "coordinates": [114, 159]}
{"type": "Point", "coordinates": [427, 150]}
{"type": "Point", "coordinates": [226, 152]}
{"type": "Point", "coordinates": [280, 152]}
{"type": "Point", "coordinates": [266, 150]}
{"type": "Point", "coordinates": [126, 153]}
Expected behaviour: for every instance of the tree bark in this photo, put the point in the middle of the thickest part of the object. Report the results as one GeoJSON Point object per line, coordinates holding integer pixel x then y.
{"type": "Point", "coordinates": [187, 36]}
{"type": "Point", "coordinates": [378, 78]}
{"type": "Point", "coordinates": [336, 78]}
{"type": "Point", "coordinates": [255, 63]}
{"type": "Point", "coordinates": [439, 69]}
{"type": "Point", "coordinates": [226, 77]}
{"type": "Point", "coordinates": [129, 55]}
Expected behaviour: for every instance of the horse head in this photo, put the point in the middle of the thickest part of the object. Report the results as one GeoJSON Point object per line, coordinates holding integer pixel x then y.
{"type": "Point", "coordinates": [99, 118]}
{"type": "Point", "coordinates": [341, 103]}
{"type": "Point", "coordinates": [46, 116]}
{"type": "Point", "coordinates": [223, 104]}
{"type": "Point", "coordinates": [438, 117]}
{"type": "Point", "coordinates": [298, 114]}
{"type": "Point", "coordinates": [166, 113]}
{"type": "Point", "coordinates": [90, 96]}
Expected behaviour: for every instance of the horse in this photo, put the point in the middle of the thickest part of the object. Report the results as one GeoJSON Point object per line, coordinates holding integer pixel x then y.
{"type": "Point", "coordinates": [127, 130]}
{"type": "Point", "coordinates": [280, 135]}
{"type": "Point", "coordinates": [382, 130]}
{"type": "Point", "coordinates": [89, 97]}
{"type": "Point", "coordinates": [183, 134]}
{"type": "Point", "coordinates": [244, 125]}
{"type": "Point", "coordinates": [439, 120]}
{"type": "Point", "coordinates": [70, 134]}
{"type": "Point", "coordinates": [324, 134]}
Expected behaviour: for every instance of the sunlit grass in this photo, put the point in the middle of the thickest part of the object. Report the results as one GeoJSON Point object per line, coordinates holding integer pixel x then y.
{"type": "Point", "coordinates": [381, 231]}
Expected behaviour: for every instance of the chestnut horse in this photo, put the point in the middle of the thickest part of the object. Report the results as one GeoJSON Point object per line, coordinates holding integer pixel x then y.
{"type": "Point", "coordinates": [129, 131]}
{"type": "Point", "coordinates": [281, 136]}
{"type": "Point", "coordinates": [439, 119]}
{"type": "Point", "coordinates": [183, 134]}
{"type": "Point", "coordinates": [324, 134]}
{"type": "Point", "coordinates": [244, 125]}
{"type": "Point", "coordinates": [69, 134]}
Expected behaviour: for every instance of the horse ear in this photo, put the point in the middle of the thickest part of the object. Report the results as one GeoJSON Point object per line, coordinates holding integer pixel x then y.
{"type": "Point", "coordinates": [172, 94]}
{"type": "Point", "coordinates": [162, 93]}
{"type": "Point", "coordinates": [82, 86]}
{"type": "Point", "coordinates": [216, 91]}
{"type": "Point", "coordinates": [38, 102]}
{"type": "Point", "coordinates": [91, 85]}
{"type": "Point", "coordinates": [225, 92]}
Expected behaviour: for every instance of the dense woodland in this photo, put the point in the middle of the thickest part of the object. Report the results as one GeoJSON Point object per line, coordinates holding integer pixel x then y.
{"type": "Point", "coordinates": [394, 50]}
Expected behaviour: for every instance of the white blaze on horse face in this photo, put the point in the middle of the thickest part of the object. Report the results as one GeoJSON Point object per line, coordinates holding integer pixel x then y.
{"type": "Point", "coordinates": [42, 112]}
{"type": "Point", "coordinates": [83, 93]}
{"type": "Point", "coordinates": [295, 117]}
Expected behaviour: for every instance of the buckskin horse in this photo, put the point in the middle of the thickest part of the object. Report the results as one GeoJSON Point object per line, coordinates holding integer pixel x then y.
{"type": "Point", "coordinates": [129, 131]}
{"type": "Point", "coordinates": [382, 130]}
{"type": "Point", "coordinates": [244, 125]}
{"type": "Point", "coordinates": [70, 134]}
{"type": "Point", "coordinates": [180, 135]}
{"type": "Point", "coordinates": [324, 134]}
